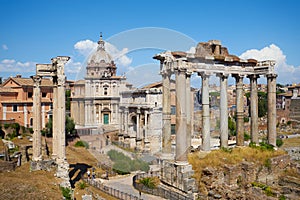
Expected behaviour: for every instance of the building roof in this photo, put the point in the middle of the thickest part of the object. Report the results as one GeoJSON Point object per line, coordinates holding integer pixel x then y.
{"type": "Point", "coordinates": [6, 90]}
{"type": "Point", "coordinates": [100, 56]}
{"type": "Point", "coordinates": [152, 85]}
{"type": "Point", "coordinates": [28, 81]}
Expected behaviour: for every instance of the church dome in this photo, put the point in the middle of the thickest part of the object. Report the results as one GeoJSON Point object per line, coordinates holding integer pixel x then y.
{"type": "Point", "coordinates": [99, 56]}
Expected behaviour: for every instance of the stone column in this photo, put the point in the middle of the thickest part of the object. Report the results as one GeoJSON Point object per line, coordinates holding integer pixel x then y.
{"type": "Point", "coordinates": [54, 120]}
{"type": "Point", "coordinates": [138, 112]}
{"type": "Point", "coordinates": [126, 120]}
{"type": "Point", "coordinates": [166, 129]}
{"type": "Point", "coordinates": [61, 113]}
{"type": "Point", "coordinates": [223, 110]}
{"type": "Point", "coordinates": [146, 125]}
{"type": "Point", "coordinates": [254, 108]}
{"type": "Point", "coordinates": [37, 122]}
{"type": "Point", "coordinates": [205, 112]}
{"type": "Point", "coordinates": [188, 109]}
{"type": "Point", "coordinates": [181, 133]}
{"type": "Point", "coordinates": [239, 110]}
{"type": "Point", "coordinates": [272, 109]}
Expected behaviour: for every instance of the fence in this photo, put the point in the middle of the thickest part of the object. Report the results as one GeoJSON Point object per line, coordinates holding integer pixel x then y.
{"type": "Point", "coordinates": [159, 191]}
{"type": "Point", "coordinates": [111, 191]}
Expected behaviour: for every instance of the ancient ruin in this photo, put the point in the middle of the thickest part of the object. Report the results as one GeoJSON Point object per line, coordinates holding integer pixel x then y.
{"type": "Point", "coordinates": [209, 58]}
{"type": "Point", "coordinates": [55, 70]}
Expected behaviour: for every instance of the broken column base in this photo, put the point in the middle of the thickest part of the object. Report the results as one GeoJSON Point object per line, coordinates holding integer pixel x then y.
{"type": "Point", "coordinates": [46, 165]}
{"type": "Point", "coordinates": [179, 175]}
{"type": "Point", "coordinates": [62, 172]}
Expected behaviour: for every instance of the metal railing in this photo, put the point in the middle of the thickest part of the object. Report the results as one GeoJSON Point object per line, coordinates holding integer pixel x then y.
{"type": "Point", "coordinates": [111, 191]}
{"type": "Point", "coordinates": [158, 191]}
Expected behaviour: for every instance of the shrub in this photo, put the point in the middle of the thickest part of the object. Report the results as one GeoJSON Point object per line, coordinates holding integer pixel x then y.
{"type": "Point", "coordinates": [279, 142]}
{"type": "Point", "coordinates": [66, 192]}
{"type": "Point", "coordinates": [246, 136]}
{"type": "Point", "coordinates": [31, 130]}
{"type": "Point", "coordinates": [227, 150]}
{"type": "Point", "coordinates": [6, 126]}
{"type": "Point", "coordinates": [16, 126]}
{"type": "Point", "coordinates": [81, 143]}
{"type": "Point", "coordinates": [82, 185]}
{"type": "Point", "coordinates": [150, 182]}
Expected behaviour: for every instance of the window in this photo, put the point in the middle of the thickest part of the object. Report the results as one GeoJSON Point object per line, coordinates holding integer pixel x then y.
{"type": "Point", "coordinates": [173, 110]}
{"type": "Point", "coordinates": [29, 94]}
{"type": "Point", "coordinates": [105, 91]}
{"type": "Point", "coordinates": [31, 122]}
{"type": "Point", "coordinates": [15, 108]}
{"type": "Point", "coordinates": [173, 129]}
{"type": "Point", "coordinates": [44, 94]}
{"type": "Point", "coordinates": [97, 88]}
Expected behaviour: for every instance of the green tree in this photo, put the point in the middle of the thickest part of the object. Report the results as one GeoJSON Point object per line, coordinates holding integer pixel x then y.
{"type": "Point", "coordinates": [70, 126]}
{"type": "Point", "coordinates": [68, 99]}
{"type": "Point", "coordinates": [262, 103]}
{"type": "Point", "coordinates": [231, 126]}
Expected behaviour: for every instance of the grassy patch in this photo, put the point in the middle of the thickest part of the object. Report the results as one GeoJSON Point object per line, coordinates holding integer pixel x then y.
{"type": "Point", "coordinates": [219, 158]}
{"type": "Point", "coordinates": [150, 182]}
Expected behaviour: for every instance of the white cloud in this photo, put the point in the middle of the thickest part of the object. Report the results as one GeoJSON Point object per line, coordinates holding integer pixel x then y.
{"type": "Point", "coordinates": [72, 66]}
{"type": "Point", "coordinates": [4, 47]}
{"type": "Point", "coordinates": [11, 65]}
{"type": "Point", "coordinates": [286, 73]}
{"type": "Point", "coordinates": [86, 47]}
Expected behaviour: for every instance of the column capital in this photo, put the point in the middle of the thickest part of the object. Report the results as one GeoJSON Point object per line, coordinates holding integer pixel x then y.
{"type": "Point", "coordinates": [222, 75]}
{"type": "Point", "coordinates": [238, 76]}
{"type": "Point", "coordinates": [204, 74]}
{"type": "Point", "coordinates": [37, 80]}
{"type": "Point", "coordinates": [253, 76]}
{"type": "Point", "coordinates": [189, 72]}
{"type": "Point", "coordinates": [271, 75]}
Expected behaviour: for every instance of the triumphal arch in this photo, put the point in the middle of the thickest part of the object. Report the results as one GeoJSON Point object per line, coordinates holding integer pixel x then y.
{"type": "Point", "coordinates": [210, 58]}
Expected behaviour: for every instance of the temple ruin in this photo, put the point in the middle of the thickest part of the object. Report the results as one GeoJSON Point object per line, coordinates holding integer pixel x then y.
{"type": "Point", "coordinates": [209, 58]}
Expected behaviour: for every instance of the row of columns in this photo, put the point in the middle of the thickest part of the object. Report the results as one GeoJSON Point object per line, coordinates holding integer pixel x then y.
{"type": "Point", "coordinates": [183, 113]}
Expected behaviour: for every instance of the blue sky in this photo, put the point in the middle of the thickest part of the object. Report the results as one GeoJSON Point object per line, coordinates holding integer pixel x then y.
{"type": "Point", "coordinates": [34, 31]}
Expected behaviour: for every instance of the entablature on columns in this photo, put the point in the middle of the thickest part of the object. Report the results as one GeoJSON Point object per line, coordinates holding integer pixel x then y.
{"type": "Point", "coordinates": [213, 62]}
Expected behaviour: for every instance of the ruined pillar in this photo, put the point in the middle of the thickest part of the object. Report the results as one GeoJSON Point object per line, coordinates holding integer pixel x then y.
{"type": "Point", "coordinates": [223, 110]}
{"type": "Point", "coordinates": [166, 112]}
{"type": "Point", "coordinates": [146, 125]}
{"type": "Point", "coordinates": [61, 115]}
{"type": "Point", "coordinates": [272, 109]}
{"type": "Point", "coordinates": [254, 108]}
{"type": "Point", "coordinates": [54, 120]}
{"type": "Point", "coordinates": [188, 109]}
{"type": "Point", "coordinates": [181, 133]}
{"type": "Point", "coordinates": [205, 112]}
{"type": "Point", "coordinates": [239, 110]}
{"type": "Point", "coordinates": [37, 122]}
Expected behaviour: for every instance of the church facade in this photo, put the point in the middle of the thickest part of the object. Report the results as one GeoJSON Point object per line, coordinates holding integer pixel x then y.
{"type": "Point", "coordinates": [104, 102]}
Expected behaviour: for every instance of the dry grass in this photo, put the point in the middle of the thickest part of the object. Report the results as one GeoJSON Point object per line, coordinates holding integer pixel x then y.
{"type": "Point", "coordinates": [291, 142]}
{"type": "Point", "coordinates": [219, 158]}
{"type": "Point", "coordinates": [23, 184]}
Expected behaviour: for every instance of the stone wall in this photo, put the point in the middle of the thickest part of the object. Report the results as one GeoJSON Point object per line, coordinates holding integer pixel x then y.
{"type": "Point", "coordinates": [294, 152]}
{"type": "Point", "coordinates": [234, 181]}
{"type": "Point", "coordinates": [6, 166]}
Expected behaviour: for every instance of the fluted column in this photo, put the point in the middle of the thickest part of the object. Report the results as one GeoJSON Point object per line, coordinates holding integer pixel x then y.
{"type": "Point", "coordinates": [239, 110]}
{"type": "Point", "coordinates": [223, 110]}
{"type": "Point", "coordinates": [181, 133]}
{"type": "Point", "coordinates": [54, 120]}
{"type": "Point", "coordinates": [188, 109]}
{"type": "Point", "coordinates": [37, 126]}
{"type": "Point", "coordinates": [254, 108]}
{"type": "Point", "coordinates": [166, 104]}
{"type": "Point", "coordinates": [272, 109]}
{"type": "Point", "coordinates": [205, 112]}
